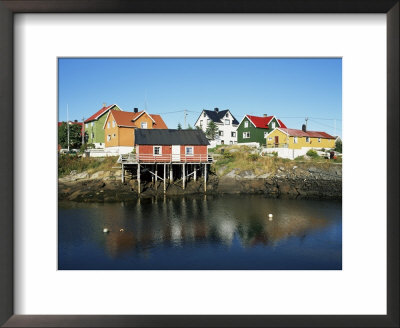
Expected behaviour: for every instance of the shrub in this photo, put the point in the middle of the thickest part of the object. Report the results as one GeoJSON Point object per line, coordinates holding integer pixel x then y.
{"type": "Point", "coordinates": [338, 146]}
{"type": "Point", "coordinates": [253, 157]}
{"type": "Point", "coordinates": [312, 153]}
{"type": "Point", "coordinates": [275, 153]}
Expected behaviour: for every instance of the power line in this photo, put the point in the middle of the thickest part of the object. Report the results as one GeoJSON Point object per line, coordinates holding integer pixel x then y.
{"type": "Point", "coordinates": [330, 126]}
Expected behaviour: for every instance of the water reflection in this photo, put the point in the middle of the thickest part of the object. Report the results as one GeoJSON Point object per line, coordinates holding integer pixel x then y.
{"type": "Point", "coordinates": [154, 227]}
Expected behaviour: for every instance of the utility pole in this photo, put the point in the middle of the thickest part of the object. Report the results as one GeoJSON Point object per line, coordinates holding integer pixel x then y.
{"type": "Point", "coordinates": [185, 118]}
{"type": "Point", "coordinates": [306, 122]}
{"type": "Point", "coordinates": [67, 129]}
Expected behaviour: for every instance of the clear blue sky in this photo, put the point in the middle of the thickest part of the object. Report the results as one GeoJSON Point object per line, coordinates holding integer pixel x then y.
{"type": "Point", "coordinates": [290, 89]}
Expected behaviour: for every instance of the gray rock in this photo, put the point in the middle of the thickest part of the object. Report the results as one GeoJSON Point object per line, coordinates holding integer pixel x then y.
{"type": "Point", "coordinates": [80, 176]}
{"type": "Point", "coordinates": [97, 175]}
{"type": "Point", "coordinates": [264, 176]}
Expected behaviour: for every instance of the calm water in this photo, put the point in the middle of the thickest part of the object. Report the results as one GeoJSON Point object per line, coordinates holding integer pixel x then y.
{"type": "Point", "coordinates": [224, 232]}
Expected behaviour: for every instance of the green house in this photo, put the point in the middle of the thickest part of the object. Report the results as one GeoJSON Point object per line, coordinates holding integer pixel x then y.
{"type": "Point", "coordinates": [256, 128]}
{"type": "Point", "coordinates": [94, 126]}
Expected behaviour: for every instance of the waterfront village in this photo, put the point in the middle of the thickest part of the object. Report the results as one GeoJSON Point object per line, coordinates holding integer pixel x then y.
{"type": "Point", "coordinates": [218, 154]}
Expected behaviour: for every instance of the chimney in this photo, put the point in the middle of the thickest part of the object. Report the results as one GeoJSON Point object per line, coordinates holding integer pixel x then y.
{"type": "Point", "coordinates": [304, 128]}
{"type": "Point", "coordinates": [135, 110]}
{"type": "Point", "coordinates": [265, 115]}
{"type": "Point", "coordinates": [75, 121]}
{"type": "Point", "coordinates": [216, 109]}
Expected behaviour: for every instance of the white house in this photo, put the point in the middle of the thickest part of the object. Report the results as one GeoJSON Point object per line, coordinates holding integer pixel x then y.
{"type": "Point", "coordinates": [227, 125]}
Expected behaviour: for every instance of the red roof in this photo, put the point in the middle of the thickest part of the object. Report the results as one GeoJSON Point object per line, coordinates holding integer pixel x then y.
{"type": "Point", "coordinates": [160, 124]}
{"type": "Point", "coordinates": [301, 133]}
{"type": "Point", "coordinates": [99, 113]}
{"type": "Point", "coordinates": [263, 121]}
{"type": "Point", "coordinates": [126, 119]}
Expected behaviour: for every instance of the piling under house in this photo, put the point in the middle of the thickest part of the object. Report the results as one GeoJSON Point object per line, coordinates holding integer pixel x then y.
{"type": "Point", "coordinates": [168, 155]}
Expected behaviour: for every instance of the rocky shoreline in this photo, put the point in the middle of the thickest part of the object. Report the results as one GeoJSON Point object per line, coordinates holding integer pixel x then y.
{"type": "Point", "coordinates": [310, 182]}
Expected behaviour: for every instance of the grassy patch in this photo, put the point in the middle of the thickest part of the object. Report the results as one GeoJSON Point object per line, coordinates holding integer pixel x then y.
{"type": "Point", "coordinates": [68, 163]}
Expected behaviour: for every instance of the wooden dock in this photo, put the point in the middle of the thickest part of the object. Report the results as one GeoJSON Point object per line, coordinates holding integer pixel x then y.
{"type": "Point", "coordinates": [161, 167]}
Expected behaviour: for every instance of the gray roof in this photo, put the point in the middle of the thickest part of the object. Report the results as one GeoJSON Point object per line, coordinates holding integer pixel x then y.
{"type": "Point", "coordinates": [170, 137]}
{"type": "Point", "coordinates": [217, 117]}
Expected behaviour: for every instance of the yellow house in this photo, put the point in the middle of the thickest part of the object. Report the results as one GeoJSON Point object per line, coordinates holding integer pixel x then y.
{"type": "Point", "coordinates": [297, 139]}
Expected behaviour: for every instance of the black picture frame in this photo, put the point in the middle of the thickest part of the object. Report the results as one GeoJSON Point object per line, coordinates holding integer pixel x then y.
{"type": "Point", "coordinates": [10, 7]}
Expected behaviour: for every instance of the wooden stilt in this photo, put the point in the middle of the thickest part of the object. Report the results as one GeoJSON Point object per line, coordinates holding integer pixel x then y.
{"type": "Point", "coordinates": [152, 177]}
{"type": "Point", "coordinates": [138, 177]}
{"type": "Point", "coordinates": [183, 176]}
{"type": "Point", "coordinates": [156, 177]}
{"type": "Point", "coordinates": [123, 174]}
{"type": "Point", "coordinates": [171, 174]}
{"type": "Point", "coordinates": [195, 172]}
{"type": "Point", "coordinates": [165, 188]}
{"type": "Point", "coordinates": [205, 177]}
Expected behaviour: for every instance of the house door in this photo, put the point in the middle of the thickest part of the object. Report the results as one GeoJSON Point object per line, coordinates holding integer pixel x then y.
{"type": "Point", "coordinates": [176, 153]}
{"type": "Point", "coordinates": [276, 141]}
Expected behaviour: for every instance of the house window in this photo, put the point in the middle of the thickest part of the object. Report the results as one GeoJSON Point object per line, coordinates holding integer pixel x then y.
{"type": "Point", "coordinates": [204, 114]}
{"type": "Point", "coordinates": [86, 125]}
{"type": "Point", "coordinates": [208, 121]}
{"type": "Point", "coordinates": [91, 124]}
{"type": "Point", "coordinates": [189, 151]}
{"type": "Point", "coordinates": [269, 138]}
{"type": "Point", "coordinates": [109, 137]}
{"type": "Point", "coordinates": [222, 142]}
{"type": "Point", "coordinates": [157, 150]}
{"type": "Point", "coordinates": [319, 139]}
{"type": "Point", "coordinates": [273, 125]}
{"type": "Point", "coordinates": [201, 123]}
{"type": "Point", "coordinates": [227, 115]}
{"type": "Point", "coordinates": [246, 124]}
{"type": "Point", "coordinates": [246, 135]}
{"type": "Point", "coordinates": [265, 134]}
{"type": "Point", "coordinates": [233, 134]}
{"type": "Point", "coordinates": [307, 139]}
{"type": "Point", "coordinates": [231, 142]}
{"type": "Point", "coordinates": [108, 124]}
{"type": "Point", "coordinates": [227, 122]}
{"type": "Point", "coordinates": [221, 133]}
{"type": "Point", "coordinates": [143, 125]}
{"type": "Point", "coordinates": [114, 135]}
{"type": "Point", "coordinates": [295, 140]}
{"type": "Point", "coordinates": [113, 123]}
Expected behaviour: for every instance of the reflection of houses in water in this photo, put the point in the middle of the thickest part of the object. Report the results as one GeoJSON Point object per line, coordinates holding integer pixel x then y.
{"type": "Point", "coordinates": [181, 221]}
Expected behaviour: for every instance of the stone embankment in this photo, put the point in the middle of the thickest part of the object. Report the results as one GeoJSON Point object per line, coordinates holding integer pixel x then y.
{"type": "Point", "coordinates": [289, 182]}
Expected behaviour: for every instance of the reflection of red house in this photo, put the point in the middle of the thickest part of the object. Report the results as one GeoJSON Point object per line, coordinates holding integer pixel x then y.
{"type": "Point", "coordinates": [167, 146]}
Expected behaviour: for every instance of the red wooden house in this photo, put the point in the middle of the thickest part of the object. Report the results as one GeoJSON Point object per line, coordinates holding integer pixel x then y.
{"type": "Point", "coordinates": [171, 146]}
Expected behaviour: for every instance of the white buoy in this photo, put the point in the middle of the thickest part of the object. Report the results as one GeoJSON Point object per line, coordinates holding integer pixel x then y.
{"type": "Point", "coordinates": [105, 230]}
{"type": "Point", "coordinates": [270, 216]}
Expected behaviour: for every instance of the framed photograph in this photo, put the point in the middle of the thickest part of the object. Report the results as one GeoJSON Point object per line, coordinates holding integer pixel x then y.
{"type": "Point", "coordinates": [184, 165]}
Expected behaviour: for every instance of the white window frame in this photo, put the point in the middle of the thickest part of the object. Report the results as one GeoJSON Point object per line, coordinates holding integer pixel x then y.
{"type": "Point", "coordinates": [265, 134]}
{"type": "Point", "coordinates": [189, 147]}
{"type": "Point", "coordinates": [269, 138]}
{"type": "Point", "coordinates": [108, 137]}
{"type": "Point", "coordinates": [233, 134]}
{"type": "Point", "coordinates": [113, 124]}
{"type": "Point", "coordinates": [319, 139]}
{"type": "Point", "coordinates": [273, 125]}
{"type": "Point", "coordinates": [246, 124]}
{"type": "Point", "coordinates": [108, 124]}
{"type": "Point", "coordinates": [227, 122]}
{"type": "Point", "coordinates": [91, 124]}
{"type": "Point", "coordinates": [221, 133]}
{"type": "Point", "coordinates": [86, 125]}
{"type": "Point", "coordinates": [143, 125]}
{"type": "Point", "coordinates": [154, 151]}
{"type": "Point", "coordinates": [201, 123]}
{"type": "Point", "coordinates": [295, 140]}
{"type": "Point", "coordinates": [114, 135]}
{"type": "Point", "coordinates": [307, 139]}
{"type": "Point", "coordinates": [246, 135]}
